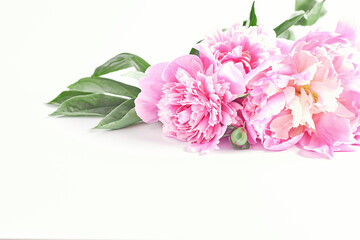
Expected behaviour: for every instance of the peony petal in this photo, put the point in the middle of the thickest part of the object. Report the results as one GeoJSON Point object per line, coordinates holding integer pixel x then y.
{"type": "Point", "coordinates": [150, 95]}
{"type": "Point", "coordinates": [289, 94]}
{"type": "Point", "coordinates": [273, 107]}
{"type": "Point", "coordinates": [342, 111]}
{"type": "Point", "coordinates": [327, 93]}
{"type": "Point", "coordinates": [278, 145]}
{"type": "Point", "coordinates": [284, 45]}
{"type": "Point", "coordinates": [210, 145]}
{"type": "Point", "coordinates": [281, 126]}
{"type": "Point", "coordinates": [312, 142]}
{"type": "Point", "coordinates": [262, 67]}
{"type": "Point", "coordinates": [190, 63]}
{"type": "Point", "coordinates": [297, 112]}
{"type": "Point", "coordinates": [346, 30]}
{"type": "Point", "coordinates": [332, 128]}
{"type": "Point", "coordinates": [206, 55]}
{"type": "Point", "coordinates": [304, 77]}
{"type": "Point", "coordinates": [303, 59]}
{"type": "Point", "coordinates": [234, 76]}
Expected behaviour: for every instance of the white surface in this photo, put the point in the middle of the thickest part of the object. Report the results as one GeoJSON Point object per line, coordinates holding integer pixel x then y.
{"type": "Point", "coordinates": [60, 179]}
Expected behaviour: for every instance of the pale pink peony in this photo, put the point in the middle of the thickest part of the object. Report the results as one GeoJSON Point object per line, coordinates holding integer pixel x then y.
{"type": "Point", "coordinates": [309, 97]}
{"type": "Point", "coordinates": [193, 103]}
{"type": "Point", "coordinates": [245, 47]}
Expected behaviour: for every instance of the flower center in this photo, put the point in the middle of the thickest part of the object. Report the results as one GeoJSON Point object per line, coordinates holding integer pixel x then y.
{"type": "Point", "coordinates": [246, 56]}
{"type": "Point", "coordinates": [307, 91]}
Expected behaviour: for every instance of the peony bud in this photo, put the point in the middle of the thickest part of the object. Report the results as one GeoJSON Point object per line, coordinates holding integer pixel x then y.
{"type": "Point", "coordinates": [238, 138]}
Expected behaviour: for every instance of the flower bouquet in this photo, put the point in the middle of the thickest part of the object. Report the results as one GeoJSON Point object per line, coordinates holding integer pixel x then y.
{"type": "Point", "coordinates": [246, 83]}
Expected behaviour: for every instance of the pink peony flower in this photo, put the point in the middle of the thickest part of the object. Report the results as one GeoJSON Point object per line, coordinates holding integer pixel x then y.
{"type": "Point", "coordinates": [245, 47]}
{"type": "Point", "coordinates": [309, 97]}
{"type": "Point", "coordinates": [194, 103]}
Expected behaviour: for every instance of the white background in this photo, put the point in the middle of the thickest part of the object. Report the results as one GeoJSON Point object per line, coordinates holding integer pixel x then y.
{"type": "Point", "coordinates": [60, 179]}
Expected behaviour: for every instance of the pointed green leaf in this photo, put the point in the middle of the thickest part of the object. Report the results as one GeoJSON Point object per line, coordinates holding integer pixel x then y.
{"type": "Point", "coordinates": [313, 15]}
{"type": "Point", "coordinates": [105, 85]}
{"type": "Point", "coordinates": [316, 11]}
{"type": "Point", "coordinates": [134, 74]}
{"type": "Point", "coordinates": [195, 51]}
{"type": "Point", "coordinates": [122, 61]}
{"type": "Point", "coordinates": [88, 105]}
{"type": "Point", "coordinates": [288, 23]}
{"type": "Point", "coordinates": [252, 18]}
{"type": "Point", "coordinates": [122, 116]}
{"type": "Point", "coordinates": [65, 95]}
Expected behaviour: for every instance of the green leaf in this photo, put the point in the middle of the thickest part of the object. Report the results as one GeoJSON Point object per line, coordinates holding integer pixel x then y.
{"type": "Point", "coordinates": [304, 5]}
{"type": "Point", "coordinates": [134, 74]}
{"type": "Point", "coordinates": [105, 85]}
{"type": "Point", "coordinates": [195, 51]}
{"type": "Point", "coordinates": [122, 116]}
{"type": "Point", "coordinates": [121, 61]}
{"type": "Point", "coordinates": [252, 18]}
{"type": "Point", "coordinates": [315, 8]}
{"type": "Point", "coordinates": [313, 15]}
{"type": "Point", "coordinates": [245, 23]}
{"type": "Point", "coordinates": [288, 23]}
{"type": "Point", "coordinates": [88, 105]}
{"type": "Point", "coordinates": [288, 34]}
{"type": "Point", "coordinates": [65, 95]}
